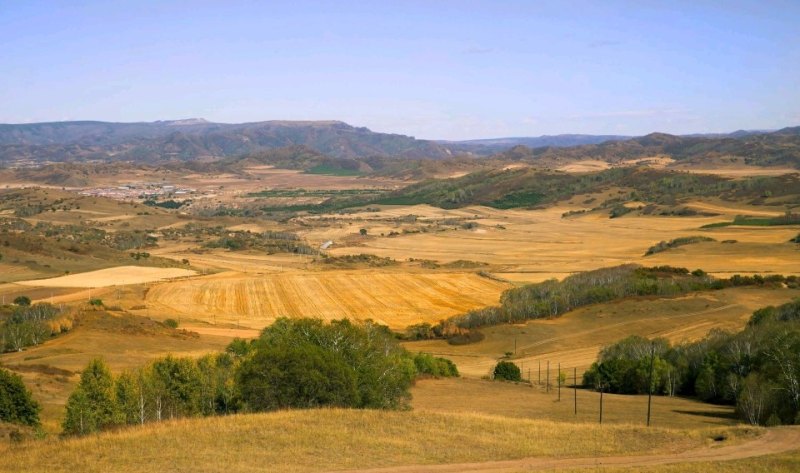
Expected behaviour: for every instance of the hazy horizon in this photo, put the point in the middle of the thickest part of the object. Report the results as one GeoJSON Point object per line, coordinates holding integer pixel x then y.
{"type": "Point", "coordinates": [445, 71]}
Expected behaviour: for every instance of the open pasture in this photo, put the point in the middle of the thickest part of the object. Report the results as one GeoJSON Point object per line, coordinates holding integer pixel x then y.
{"type": "Point", "coordinates": [396, 299]}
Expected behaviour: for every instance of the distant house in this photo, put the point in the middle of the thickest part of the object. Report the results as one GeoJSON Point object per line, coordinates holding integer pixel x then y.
{"type": "Point", "coordinates": [326, 245]}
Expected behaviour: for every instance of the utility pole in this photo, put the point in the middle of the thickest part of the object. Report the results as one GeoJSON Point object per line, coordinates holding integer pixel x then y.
{"type": "Point", "coordinates": [650, 381]}
{"type": "Point", "coordinates": [540, 361]}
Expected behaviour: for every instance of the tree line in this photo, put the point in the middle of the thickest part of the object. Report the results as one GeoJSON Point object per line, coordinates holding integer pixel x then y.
{"type": "Point", "coordinates": [553, 298]}
{"type": "Point", "coordinates": [294, 363]}
{"type": "Point", "coordinates": [756, 369]}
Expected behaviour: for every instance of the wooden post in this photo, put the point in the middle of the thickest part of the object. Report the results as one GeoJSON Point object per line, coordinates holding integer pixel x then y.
{"type": "Point", "coordinates": [540, 361]}
{"type": "Point", "coordinates": [650, 381]}
{"type": "Point", "coordinates": [575, 387]}
{"type": "Point", "coordinates": [559, 382]}
{"type": "Point", "coordinates": [547, 379]}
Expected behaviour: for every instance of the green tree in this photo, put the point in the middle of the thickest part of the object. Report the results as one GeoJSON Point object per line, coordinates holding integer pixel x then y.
{"type": "Point", "coordinates": [366, 353]}
{"type": "Point", "coordinates": [297, 377]}
{"type": "Point", "coordinates": [177, 385]}
{"type": "Point", "coordinates": [16, 402]}
{"type": "Point", "coordinates": [22, 301]}
{"type": "Point", "coordinates": [92, 405]}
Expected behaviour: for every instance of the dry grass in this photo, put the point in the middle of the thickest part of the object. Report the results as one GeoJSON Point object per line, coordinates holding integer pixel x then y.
{"type": "Point", "coordinates": [524, 401]}
{"type": "Point", "coordinates": [321, 440]}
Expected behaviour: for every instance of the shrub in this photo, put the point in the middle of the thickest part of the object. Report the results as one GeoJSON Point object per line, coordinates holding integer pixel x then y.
{"type": "Point", "coordinates": [22, 301]}
{"type": "Point", "coordinates": [434, 366]}
{"type": "Point", "coordinates": [171, 323]}
{"type": "Point", "coordinates": [506, 370]}
{"type": "Point", "coordinates": [96, 302]}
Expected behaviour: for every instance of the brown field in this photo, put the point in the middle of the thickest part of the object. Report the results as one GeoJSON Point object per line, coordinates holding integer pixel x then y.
{"type": "Point", "coordinates": [396, 299]}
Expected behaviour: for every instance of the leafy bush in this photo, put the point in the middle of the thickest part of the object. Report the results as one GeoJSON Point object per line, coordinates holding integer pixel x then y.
{"type": "Point", "coordinates": [667, 245]}
{"type": "Point", "coordinates": [434, 366]}
{"type": "Point", "coordinates": [619, 211]}
{"type": "Point", "coordinates": [506, 370]}
{"type": "Point", "coordinates": [22, 301]}
{"type": "Point", "coordinates": [171, 323]}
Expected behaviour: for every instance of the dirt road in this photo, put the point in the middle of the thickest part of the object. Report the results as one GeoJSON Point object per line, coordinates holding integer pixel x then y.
{"type": "Point", "coordinates": [773, 441]}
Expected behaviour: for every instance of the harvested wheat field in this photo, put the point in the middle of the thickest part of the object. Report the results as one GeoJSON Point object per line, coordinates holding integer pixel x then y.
{"type": "Point", "coordinates": [392, 298]}
{"type": "Point", "coordinates": [121, 275]}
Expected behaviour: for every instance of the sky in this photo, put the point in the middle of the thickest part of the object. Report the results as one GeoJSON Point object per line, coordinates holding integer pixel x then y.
{"type": "Point", "coordinates": [432, 69]}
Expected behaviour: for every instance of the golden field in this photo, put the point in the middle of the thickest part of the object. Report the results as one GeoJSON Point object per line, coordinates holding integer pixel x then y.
{"type": "Point", "coordinates": [395, 299]}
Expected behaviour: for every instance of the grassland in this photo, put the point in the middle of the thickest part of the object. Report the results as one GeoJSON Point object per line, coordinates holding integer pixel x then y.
{"type": "Point", "coordinates": [324, 440]}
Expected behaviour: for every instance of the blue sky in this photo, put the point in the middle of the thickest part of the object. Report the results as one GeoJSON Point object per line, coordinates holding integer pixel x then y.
{"type": "Point", "coordinates": [431, 69]}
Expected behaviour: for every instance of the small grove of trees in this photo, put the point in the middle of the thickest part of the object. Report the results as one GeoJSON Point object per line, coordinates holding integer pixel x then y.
{"type": "Point", "coordinates": [16, 403]}
{"type": "Point", "coordinates": [757, 369]}
{"type": "Point", "coordinates": [295, 363]}
{"type": "Point", "coordinates": [29, 325]}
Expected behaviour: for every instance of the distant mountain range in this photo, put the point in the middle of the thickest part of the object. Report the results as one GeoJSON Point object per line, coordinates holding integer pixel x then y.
{"type": "Point", "coordinates": [198, 139]}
